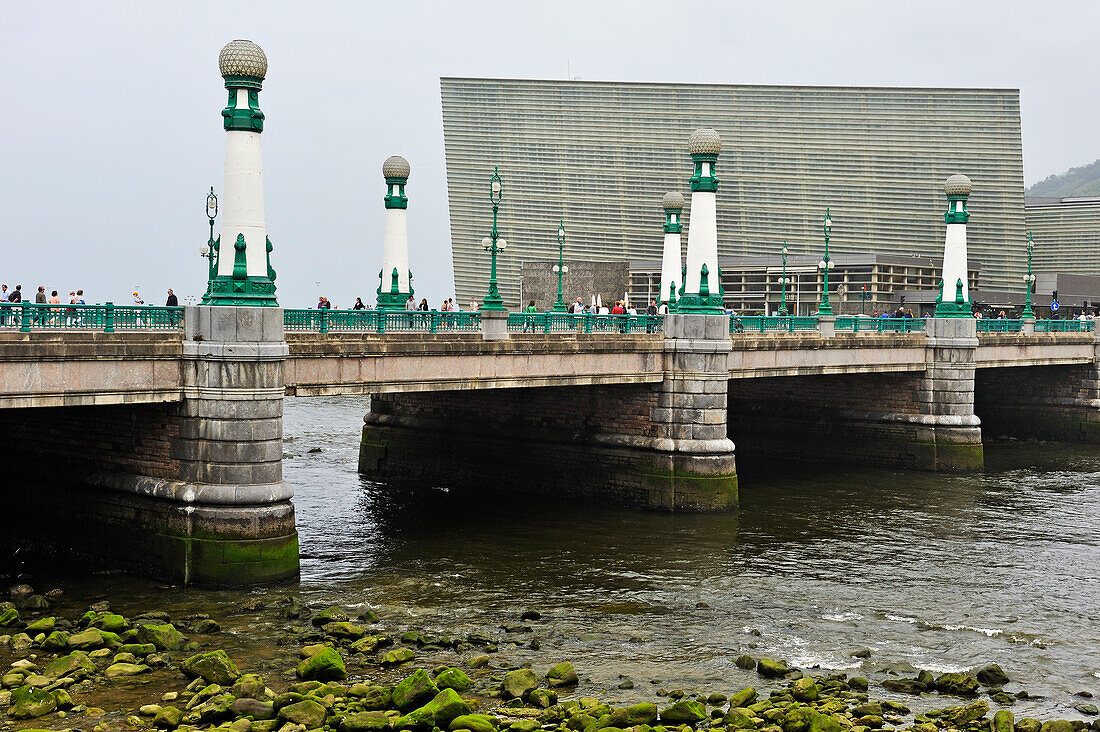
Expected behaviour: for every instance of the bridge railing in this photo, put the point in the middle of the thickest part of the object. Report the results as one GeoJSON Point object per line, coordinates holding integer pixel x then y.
{"type": "Point", "coordinates": [379, 321]}
{"type": "Point", "coordinates": [583, 323]}
{"type": "Point", "coordinates": [862, 324]}
{"type": "Point", "coordinates": [108, 317]}
{"type": "Point", "coordinates": [1001, 325]}
{"type": "Point", "coordinates": [1064, 326]}
{"type": "Point", "coordinates": [771, 324]}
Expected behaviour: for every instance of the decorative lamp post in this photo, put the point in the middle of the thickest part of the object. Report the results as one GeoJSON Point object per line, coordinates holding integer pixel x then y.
{"type": "Point", "coordinates": [825, 265]}
{"type": "Point", "coordinates": [492, 301]}
{"type": "Point", "coordinates": [672, 267]}
{"type": "Point", "coordinates": [246, 277]}
{"type": "Point", "coordinates": [1029, 280]}
{"type": "Point", "coordinates": [703, 282]}
{"type": "Point", "coordinates": [210, 248]}
{"type": "Point", "coordinates": [784, 280]}
{"type": "Point", "coordinates": [954, 298]}
{"type": "Point", "coordinates": [395, 277]}
{"type": "Point", "coordinates": [560, 269]}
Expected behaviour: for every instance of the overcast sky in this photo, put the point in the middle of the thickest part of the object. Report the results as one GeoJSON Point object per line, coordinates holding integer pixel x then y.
{"type": "Point", "coordinates": [112, 131]}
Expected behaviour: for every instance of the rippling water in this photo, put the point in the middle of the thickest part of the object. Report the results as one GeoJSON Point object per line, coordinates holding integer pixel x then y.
{"type": "Point", "coordinates": [928, 571]}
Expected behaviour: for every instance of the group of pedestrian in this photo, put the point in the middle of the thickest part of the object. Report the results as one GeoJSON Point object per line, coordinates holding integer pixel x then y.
{"type": "Point", "coordinates": [619, 308]}
{"type": "Point", "coordinates": [899, 312]}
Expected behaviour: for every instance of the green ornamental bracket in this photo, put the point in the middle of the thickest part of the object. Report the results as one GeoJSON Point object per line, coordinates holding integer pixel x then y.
{"type": "Point", "coordinates": [249, 119]}
{"type": "Point", "coordinates": [270, 269]}
{"type": "Point", "coordinates": [240, 265]}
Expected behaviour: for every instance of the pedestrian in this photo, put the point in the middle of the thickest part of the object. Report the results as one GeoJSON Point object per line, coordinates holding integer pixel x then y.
{"type": "Point", "coordinates": [663, 309]}
{"type": "Point", "coordinates": [40, 296]}
{"type": "Point", "coordinates": [5, 306]}
{"type": "Point", "coordinates": [423, 305]}
{"type": "Point", "coordinates": [80, 297]}
{"type": "Point", "coordinates": [651, 313]}
{"type": "Point", "coordinates": [473, 305]}
{"type": "Point", "coordinates": [359, 304]}
{"type": "Point", "coordinates": [410, 304]}
{"type": "Point", "coordinates": [17, 294]}
{"type": "Point", "coordinates": [137, 299]}
{"type": "Point", "coordinates": [172, 301]}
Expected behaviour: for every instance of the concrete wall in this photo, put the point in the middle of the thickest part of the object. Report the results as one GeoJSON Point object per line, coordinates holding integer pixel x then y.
{"type": "Point", "coordinates": [609, 280]}
{"type": "Point", "coordinates": [1039, 402]}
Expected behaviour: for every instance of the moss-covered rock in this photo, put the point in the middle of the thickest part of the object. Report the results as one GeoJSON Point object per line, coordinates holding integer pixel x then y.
{"type": "Point", "coordinates": [562, 674]}
{"type": "Point", "coordinates": [307, 712]}
{"type": "Point", "coordinates": [42, 625]}
{"type": "Point", "coordinates": [452, 678]}
{"type": "Point", "coordinates": [29, 703]}
{"type": "Point", "coordinates": [9, 617]}
{"type": "Point", "coordinates": [542, 698]}
{"type": "Point", "coordinates": [519, 683]}
{"type": "Point", "coordinates": [344, 630]}
{"type": "Point", "coordinates": [118, 670]}
{"type": "Point", "coordinates": [365, 722]}
{"type": "Point", "coordinates": [325, 665]}
{"type": "Point", "coordinates": [992, 675]}
{"type": "Point", "coordinates": [770, 669]}
{"type": "Point", "coordinates": [330, 615]}
{"type": "Point", "coordinates": [1003, 721]}
{"type": "Point", "coordinates": [213, 667]}
{"type": "Point", "coordinates": [256, 709]}
{"type": "Point", "coordinates": [164, 637]}
{"type": "Point", "coordinates": [738, 718]}
{"type": "Point", "coordinates": [446, 707]}
{"type": "Point", "coordinates": [743, 698]}
{"type": "Point", "coordinates": [76, 665]}
{"type": "Point", "coordinates": [372, 697]}
{"type": "Point", "coordinates": [474, 723]}
{"type": "Point", "coordinates": [56, 641]}
{"type": "Point", "coordinates": [805, 690]}
{"type": "Point", "coordinates": [1057, 725]}
{"type": "Point", "coordinates": [168, 717]}
{"type": "Point", "coordinates": [371, 643]}
{"type": "Point", "coordinates": [249, 686]}
{"type": "Point", "coordinates": [110, 622]}
{"type": "Point", "coordinates": [957, 684]}
{"type": "Point", "coordinates": [961, 716]}
{"type": "Point", "coordinates": [397, 656]}
{"type": "Point", "coordinates": [414, 690]}
{"type": "Point", "coordinates": [1028, 724]}
{"type": "Point", "coordinates": [629, 716]}
{"type": "Point", "coordinates": [685, 711]}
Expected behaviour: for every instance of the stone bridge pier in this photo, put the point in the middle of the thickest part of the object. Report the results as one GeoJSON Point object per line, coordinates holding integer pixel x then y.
{"type": "Point", "coordinates": [661, 446]}
{"type": "Point", "coordinates": [190, 490]}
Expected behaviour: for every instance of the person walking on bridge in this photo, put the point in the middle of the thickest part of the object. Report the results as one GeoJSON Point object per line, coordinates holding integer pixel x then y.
{"type": "Point", "coordinates": [172, 301]}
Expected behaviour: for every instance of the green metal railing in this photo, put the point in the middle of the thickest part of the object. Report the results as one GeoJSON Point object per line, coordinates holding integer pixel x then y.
{"type": "Point", "coordinates": [583, 323]}
{"type": "Point", "coordinates": [1000, 325]}
{"type": "Point", "coordinates": [379, 321]}
{"type": "Point", "coordinates": [771, 324]}
{"type": "Point", "coordinates": [1063, 326]}
{"type": "Point", "coordinates": [108, 318]}
{"type": "Point", "coordinates": [861, 324]}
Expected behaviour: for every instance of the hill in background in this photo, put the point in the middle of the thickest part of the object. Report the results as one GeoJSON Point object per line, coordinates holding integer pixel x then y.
{"type": "Point", "coordinates": [1083, 181]}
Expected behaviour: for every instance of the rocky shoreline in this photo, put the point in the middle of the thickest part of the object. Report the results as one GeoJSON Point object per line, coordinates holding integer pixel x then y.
{"type": "Point", "coordinates": [330, 671]}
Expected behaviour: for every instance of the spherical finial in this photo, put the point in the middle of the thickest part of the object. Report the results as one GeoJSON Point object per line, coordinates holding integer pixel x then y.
{"type": "Point", "coordinates": [957, 185]}
{"type": "Point", "coordinates": [673, 201]}
{"type": "Point", "coordinates": [705, 141]}
{"type": "Point", "coordinates": [396, 167]}
{"type": "Point", "coordinates": [242, 58]}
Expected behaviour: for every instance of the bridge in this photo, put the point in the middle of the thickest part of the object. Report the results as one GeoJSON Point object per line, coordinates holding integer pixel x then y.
{"type": "Point", "coordinates": [161, 428]}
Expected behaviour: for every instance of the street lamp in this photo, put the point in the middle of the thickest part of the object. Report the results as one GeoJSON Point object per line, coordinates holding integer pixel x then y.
{"type": "Point", "coordinates": [1029, 280]}
{"type": "Point", "coordinates": [786, 281]}
{"type": "Point", "coordinates": [825, 265]}
{"type": "Point", "coordinates": [492, 300]}
{"type": "Point", "coordinates": [560, 268]}
{"type": "Point", "coordinates": [210, 248]}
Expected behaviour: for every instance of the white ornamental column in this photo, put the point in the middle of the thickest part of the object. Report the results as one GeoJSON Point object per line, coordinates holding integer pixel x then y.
{"type": "Point", "coordinates": [395, 286]}
{"type": "Point", "coordinates": [671, 262]}
{"type": "Point", "coordinates": [954, 297]}
{"type": "Point", "coordinates": [702, 284]}
{"type": "Point", "coordinates": [244, 275]}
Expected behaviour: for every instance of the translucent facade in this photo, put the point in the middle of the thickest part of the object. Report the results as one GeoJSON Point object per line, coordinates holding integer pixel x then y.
{"type": "Point", "coordinates": [601, 155]}
{"type": "Point", "coordinates": [1067, 234]}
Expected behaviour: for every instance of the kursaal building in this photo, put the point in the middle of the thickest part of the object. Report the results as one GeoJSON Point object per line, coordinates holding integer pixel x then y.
{"type": "Point", "coordinates": [602, 155]}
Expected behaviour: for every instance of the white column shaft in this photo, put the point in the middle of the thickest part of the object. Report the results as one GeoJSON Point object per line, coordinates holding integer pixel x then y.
{"type": "Point", "coordinates": [954, 262]}
{"type": "Point", "coordinates": [702, 242]}
{"type": "Point", "coordinates": [242, 203]}
{"type": "Point", "coordinates": [671, 265]}
{"type": "Point", "coordinates": [395, 250]}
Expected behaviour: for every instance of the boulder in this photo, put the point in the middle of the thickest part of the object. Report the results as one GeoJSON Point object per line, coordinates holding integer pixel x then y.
{"type": "Point", "coordinates": [168, 718]}
{"type": "Point", "coordinates": [398, 655]}
{"type": "Point", "coordinates": [770, 669]}
{"type": "Point", "coordinates": [1003, 721]}
{"type": "Point", "coordinates": [519, 683]}
{"type": "Point", "coordinates": [325, 665]}
{"type": "Point", "coordinates": [452, 678]}
{"type": "Point", "coordinates": [1028, 724]}
{"type": "Point", "coordinates": [446, 707]}
{"type": "Point", "coordinates": [414, 690]}
{"type": "Point", "coordinates": [254, 708]}
{"type": "Point", "coordinates": [56, 641]}
{"type": "Point", "coordinates": [419, 720]}
{"type": "Point", "coordinates": [75, 665]}
{"type": "Point", "coordinates": [746, 662]}
{"type": "Point", "coordinates": [344, 630]}
{"type": "Point", "coordinates": [213, 667]}
{"type": "Point", "coordinates": [805, 690]}
{"type": "Point", "coordinates": [743, 698]}
{"type": "Point", "coordinates": [631, 716]}
{"type": "Point", "coordinates": [1056, 725]}
{"type": "Point", "coordinates": [215, 709]}
{"type": "Point", "coordinates": [1087, 709]}
{"type": "Point", "coordinates": [365, 722]}
{"type": "Point", "coordinates": [307, 713]}
{"type": "Point", "coordinates": [28, 703]}
{"type": "Point", "coordinates": [110, 622]}
{"type": "Point", "coordinates": [9, 617]}
{"type": "Point", "coordinates": [562, 675]}
{"type": "Point", "coordinates": [372, 698]}
{"type": "Point", "coordinates": [165, 637]}
{"type": "Point", "coordinates": [330, 615]}
{"type": "Point", "coordinates": [960, 716]}
{"type": "Point", "coordinates": [684, 711]}
{"type": "Point", "coordinates": [42, 625]}
{"type": "Point", "coordinates": [992, 675]}
{"type": "Point", "coordinates": [474, 723]}
{"type": "Point", "coordinates": [545, 698]}
{"type": "Point", "coordinates": [206, 626]}
{"type": "Point", "coordinates": [87, 639]}
{"type": "Point", "coordinates": [117, 670]}
{"type": "Point", "coordinates": [737, 719]}
{"type": "Point", "coordinates": [371, 643]}
{"type": "Point", "coordinates": [957, 684]}
{"type": "Point", "coordinates": [903, 686]}
{"type": "Point", "coordinates": [249, 686]}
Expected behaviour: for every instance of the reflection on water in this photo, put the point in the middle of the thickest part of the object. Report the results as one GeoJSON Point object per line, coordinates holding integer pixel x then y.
{"type": "Point", "coordinates": [928, 571]}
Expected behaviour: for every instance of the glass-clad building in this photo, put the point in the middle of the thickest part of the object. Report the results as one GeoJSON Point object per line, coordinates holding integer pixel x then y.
{"type": "Point", "coordinates": [601, 155]}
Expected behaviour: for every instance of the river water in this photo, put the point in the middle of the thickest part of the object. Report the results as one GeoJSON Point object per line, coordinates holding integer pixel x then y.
{"type": "Point", "coordinates": [927, 571]}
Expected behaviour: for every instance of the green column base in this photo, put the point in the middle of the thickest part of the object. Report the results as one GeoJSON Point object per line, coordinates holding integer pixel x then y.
{"type": "Point", "coordinates": [229, 562]}
{"type": "Point", "coordinates": [255, 291]}
{"type": "Point", "coordinates": [698, 484]}
{"type": "Point", "coordinates": [948, 457]}
{"type": "Point", "coordinates": [393, 300]}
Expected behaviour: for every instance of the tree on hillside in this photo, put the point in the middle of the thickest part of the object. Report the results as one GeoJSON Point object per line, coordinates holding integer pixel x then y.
{"type": "Point", "coordinates": [1082, 181]}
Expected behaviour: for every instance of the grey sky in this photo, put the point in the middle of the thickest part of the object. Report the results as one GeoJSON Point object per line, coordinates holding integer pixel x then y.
{"type": "Point", "coordinates": [112, 133]}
